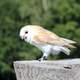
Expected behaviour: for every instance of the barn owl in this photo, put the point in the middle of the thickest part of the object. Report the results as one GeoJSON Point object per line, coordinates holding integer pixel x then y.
{"type": "Point", "coordinates": [47, 41]}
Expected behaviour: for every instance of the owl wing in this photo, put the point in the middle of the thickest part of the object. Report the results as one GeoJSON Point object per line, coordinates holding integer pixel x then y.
{"type": "Point", "coordinates": [48, 37]}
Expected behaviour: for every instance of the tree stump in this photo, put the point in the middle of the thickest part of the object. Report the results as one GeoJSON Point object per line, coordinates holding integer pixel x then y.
{"type": "Point", "coordinates": [48, 70]}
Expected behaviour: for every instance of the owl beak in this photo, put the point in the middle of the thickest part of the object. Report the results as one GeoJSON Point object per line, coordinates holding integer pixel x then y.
{"type": "Point", "coordinates": [23, 38]}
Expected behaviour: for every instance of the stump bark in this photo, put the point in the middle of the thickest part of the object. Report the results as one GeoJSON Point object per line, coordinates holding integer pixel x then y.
{"type": "Point", "coordinates": [48, 70]}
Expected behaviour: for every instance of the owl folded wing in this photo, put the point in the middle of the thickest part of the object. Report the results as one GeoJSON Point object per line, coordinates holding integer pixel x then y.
{"type": "Point", "coordinates": [53, 39]}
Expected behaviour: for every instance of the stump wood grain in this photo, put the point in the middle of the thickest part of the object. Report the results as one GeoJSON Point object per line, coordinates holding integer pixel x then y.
{"type": "Point", "coordinates": [48, 70]}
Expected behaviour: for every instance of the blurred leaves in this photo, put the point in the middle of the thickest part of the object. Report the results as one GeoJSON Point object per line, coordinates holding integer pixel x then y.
{"type": "Point", "coordinates": [59, 16]}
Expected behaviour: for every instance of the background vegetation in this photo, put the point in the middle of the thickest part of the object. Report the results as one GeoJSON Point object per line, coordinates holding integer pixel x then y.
{"type": "Point", "coordinates": [59, 16]}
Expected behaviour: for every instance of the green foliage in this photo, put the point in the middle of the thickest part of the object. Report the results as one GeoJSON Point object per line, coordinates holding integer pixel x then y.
{"type": "Point", "coordinates": [59, 16]}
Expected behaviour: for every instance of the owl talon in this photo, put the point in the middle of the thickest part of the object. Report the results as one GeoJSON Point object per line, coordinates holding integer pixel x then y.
{"type": "Point", "coordinates": [43, 58]}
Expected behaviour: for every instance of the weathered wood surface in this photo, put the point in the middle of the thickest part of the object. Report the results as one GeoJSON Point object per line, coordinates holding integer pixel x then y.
{"type": "Point", "coordinates": [48, 70]}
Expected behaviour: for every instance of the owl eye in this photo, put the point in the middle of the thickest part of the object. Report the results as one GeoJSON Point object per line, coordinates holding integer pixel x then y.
{"type": "Point", "coordinates": [26, 32]}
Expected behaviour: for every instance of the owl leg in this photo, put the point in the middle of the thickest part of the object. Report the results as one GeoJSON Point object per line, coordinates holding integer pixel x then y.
{"type": "Point", "coordinates": [44, 57]}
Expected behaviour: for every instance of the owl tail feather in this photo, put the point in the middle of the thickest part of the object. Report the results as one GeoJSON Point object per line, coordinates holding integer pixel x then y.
{"type": "Point", "coordinates": [69, 43]}
{"type": "Point", "coordinates": [65, 50]}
